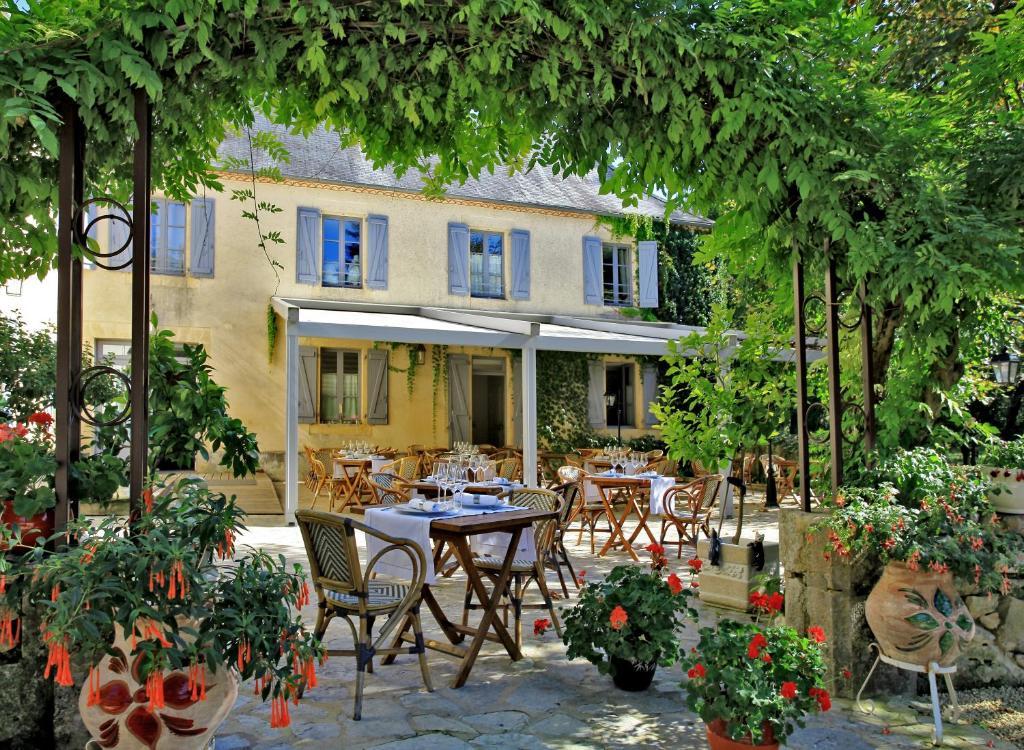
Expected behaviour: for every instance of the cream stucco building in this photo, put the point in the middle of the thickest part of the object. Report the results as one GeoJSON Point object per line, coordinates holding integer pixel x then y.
{"type": "Point", "coordinates": [522, 250]}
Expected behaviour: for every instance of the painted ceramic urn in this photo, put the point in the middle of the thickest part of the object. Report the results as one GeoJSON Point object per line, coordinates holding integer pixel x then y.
{"type": "Point", "coordinates": [122, 715]}
{"type": "Point", "coordinates": [918, 617]}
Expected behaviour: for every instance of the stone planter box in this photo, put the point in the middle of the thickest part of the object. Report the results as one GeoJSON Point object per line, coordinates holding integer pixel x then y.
{"type": "Point", "coordinates": [729, 584]}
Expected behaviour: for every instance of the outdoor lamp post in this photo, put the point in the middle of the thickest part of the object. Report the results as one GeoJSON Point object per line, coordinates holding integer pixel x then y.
{"type": "Point", "coordinates": [1005, 367]}
{"type": "Point", "coordinates": [771, 493]}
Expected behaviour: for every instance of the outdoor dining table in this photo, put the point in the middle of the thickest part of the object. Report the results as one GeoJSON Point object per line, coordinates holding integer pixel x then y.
{"type": "Point", "coordinates": [457, 531]}
{"type": "Point", "coordinates": [641, 495]}
{"type": "Point", "coordinates": [430, 489]}
{"type": "Point", "coordinates": [353, 476]}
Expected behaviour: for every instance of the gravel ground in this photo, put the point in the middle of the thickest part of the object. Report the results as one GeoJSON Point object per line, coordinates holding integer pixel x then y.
{"type": "Point", "coordinates": [1000, 710]}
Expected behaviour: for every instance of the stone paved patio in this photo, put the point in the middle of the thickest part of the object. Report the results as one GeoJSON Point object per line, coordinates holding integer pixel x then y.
{"type": "Point", "coordinates": [543, 701]}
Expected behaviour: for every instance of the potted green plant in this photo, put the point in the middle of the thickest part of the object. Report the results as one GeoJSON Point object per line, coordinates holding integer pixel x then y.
{"type": "Point", "coordinates": [752, 683]}
{"type": "Point", "coordinates": [1002, 463]}
{"type": "Point", "coordinates": [627, 624]}
{"type": "Point", "coordinates": [931, 525]}
{"type": "Point", "coordinates": [167, 637]}
{"type": "Point", "coordinates": [27, 466]}
{"type": "Point", "coordinates": [724, 394]}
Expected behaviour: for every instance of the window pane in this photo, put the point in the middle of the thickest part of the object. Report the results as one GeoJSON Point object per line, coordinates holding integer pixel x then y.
{"type": "Point", "coordinates": [176, 214]}
{"type": "Point", "coordinates": [350, 387]}
{"type": "Point", "coordinates": [328, 385]}
{"type": "Point", "coordinates": [331, 252]}
{"type": "Point", "coordinates": [486, 264]}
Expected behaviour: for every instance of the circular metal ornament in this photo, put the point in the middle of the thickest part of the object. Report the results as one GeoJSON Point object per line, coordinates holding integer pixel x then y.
{"type": "Point", "coordinates": [849, 325]}
{"type": "Point", "coordinates": [854, 437]}
{"type": "Point", "coordinates": [817, 297]}
{"type": "Point", "coordinates": [121, 214]}
{"type": "Point", "coordinates": [85, 379]}
{"type": "Point", "coordinates": [820, 433]}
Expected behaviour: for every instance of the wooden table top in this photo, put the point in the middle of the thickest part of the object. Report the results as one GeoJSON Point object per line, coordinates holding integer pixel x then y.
{"type": "Point", "coordinates": [483, 523]}
{"type": "Point", "coordinates": [474, 489]}
{"type": "Point", "coordinates": [619, 481]}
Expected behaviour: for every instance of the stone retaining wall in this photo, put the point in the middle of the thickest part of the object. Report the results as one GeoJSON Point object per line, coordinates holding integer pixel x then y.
{"type": "Point", "coordinates": [831, 593]}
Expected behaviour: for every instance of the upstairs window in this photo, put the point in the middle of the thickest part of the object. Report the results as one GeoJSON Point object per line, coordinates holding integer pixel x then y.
{"type": "Point", "coordinates": [486, 264]}
{"type": "Point", "coordinates": [167, 237]}
{"type": "Point", "coordinates": [339, 386]}
{"type": "Point", "coordinates": [342, 252]}
{"type": "Point", "coordinates": [617, 275]}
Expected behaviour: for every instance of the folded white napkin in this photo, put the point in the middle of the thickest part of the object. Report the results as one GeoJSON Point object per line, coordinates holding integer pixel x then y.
{"type": "Point", "coordinates": [431, 506]}
{"type": "Point", "coordinates": [501, 480]}
{"type": "Point", "coordinates": [649, 474]}
{"type": "Point", "coordinates": [469, 499]}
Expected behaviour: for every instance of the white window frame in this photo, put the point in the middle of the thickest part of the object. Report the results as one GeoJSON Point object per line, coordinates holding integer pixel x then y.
{"type": "Point", "coordinates": [483, 288]}
{"type": "Point", "coordinates": [158, 259]}
{"type": "Point", "coordinates": [344, 269]}
{"type": "Point", "coordinates": [338, 416]}
{"type": "Point", "coordinates": [619, 291]}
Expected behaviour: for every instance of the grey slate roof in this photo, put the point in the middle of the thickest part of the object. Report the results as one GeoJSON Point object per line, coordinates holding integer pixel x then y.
{"type": "Point", "coordinates": [320, 157]}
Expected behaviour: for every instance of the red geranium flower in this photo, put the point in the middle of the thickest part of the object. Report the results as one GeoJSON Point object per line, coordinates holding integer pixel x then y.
{"type": "Point", "coordinates": [695, 564]}
{"type": "Point", "coordinates": [788, 690]}
{"type": "Point", "coordinates": [816, 633]}
{"type": "Point", "coordinates": [821, 695]}
{"type": "Point", "coordinates": [618, 617]}
{"type": "Point", "coordinates": [674, 584]}
{"type": "Point", "coordinates": [540, 626]}
{"type": "Point", "coordinates": [697, 671]}
{"type": "Point", "coordinates": [757, 643]}
{"type": "Point", "coordinates": [847, 674]}
{"type": "Point", "coordinates": [655, 549]}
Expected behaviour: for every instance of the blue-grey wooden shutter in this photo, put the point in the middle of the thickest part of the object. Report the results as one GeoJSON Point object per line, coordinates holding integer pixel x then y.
{"type": "Point", "coordinates": [592, 277]}
{"type": "Point", "coordinates": [377, 248]}
{"type": "Point", "coordinates": [647, 252]}
{"type": "Point", "coordinates": [459, 426]}
{"type": "Point", "coordinates": [307, 383]}
{"type": "Point", "coordinates": [458, 260]}
{"type": "Point", "coordinates": [119, 238]}
{"type": "Point", "coordinates": [520, 264]}
{"type": "Point", "coordinates": [517, 402]}
{"type": "Point", "coordinates": [649, 376]}
{"type": "Point", "coordinates": [377, 386]}
{"type": "Point", "coordinates": [596, 410]}
{"type": "Point", "coordinates": [202, 237]}
{"type": "Point", "coordinates": [307, 247]}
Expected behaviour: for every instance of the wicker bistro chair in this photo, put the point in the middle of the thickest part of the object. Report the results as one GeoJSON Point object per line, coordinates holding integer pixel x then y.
{"type": "Point", "coordinates": [572, 497]}
{"type": "Point", "coordinates": [510, 468]}
{"type": "Point", "coordinates": [325, 480]}
{"type": "Point", "coordinates": [688, 508]}
{"type": "Point", "coordinates": [524, 572]}
{"type": "Point", "coordinates": [388, 489]}
{"type": "Point", "coordinates": [406, 469]}
{"type": "Point", "coordinates": [698, 468]}
{"type": "Point", "coordinates": [589, 512]}
{"type": "Point", "coordinates": [345, 590]}
{"type": "Point", "coordinates": [666, 467]}
{"type": "Point", "coordinates": [654, 455]}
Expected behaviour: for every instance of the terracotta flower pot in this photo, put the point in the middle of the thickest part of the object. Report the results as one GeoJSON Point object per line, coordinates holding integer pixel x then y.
{"type": "Point", "coordinates": [918, 617]}
{"type": "Point", "coordinates": [121, 717]}
{"type": "Point", "coordinates": [718, 738]}
{"type": "Point", "coordinates": [632, 676]}
{"type": "Point", "coordinates": [32, 529]}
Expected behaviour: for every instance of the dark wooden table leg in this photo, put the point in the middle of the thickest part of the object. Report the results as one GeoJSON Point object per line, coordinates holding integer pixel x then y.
{"type": "Point", "coordinates": [490, 618]}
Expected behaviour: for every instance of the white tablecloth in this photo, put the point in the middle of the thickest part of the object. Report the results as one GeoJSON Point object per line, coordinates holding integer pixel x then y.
{"type": "Point", "coordinates": [376, 464]}
{"type": "Point", "coordinates": [417, 528]}
{"type": "Point", "coordinates": [659, 486]}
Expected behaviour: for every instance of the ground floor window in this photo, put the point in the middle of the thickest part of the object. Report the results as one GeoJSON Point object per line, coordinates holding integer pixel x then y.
{"type": "Point", "coordinates": [619, 382]}
{"type": "Point", "coordinates": [339, 385]}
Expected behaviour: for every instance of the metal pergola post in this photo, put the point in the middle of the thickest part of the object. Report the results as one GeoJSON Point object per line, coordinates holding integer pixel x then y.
{"type": "Point", "coordinates": [835, 394]}
{"type": "Point", "coordinates": [800, 350]}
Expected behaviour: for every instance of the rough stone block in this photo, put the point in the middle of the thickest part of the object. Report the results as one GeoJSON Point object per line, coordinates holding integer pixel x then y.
{"type": "Point", "coordinates": [983, 662]}
{"type": "Point", "coordinates": [979, 606]}
{"type": "Point", "coordinates": [1010, 636]}
{"type": "Point", "coordinates": [729, 584]}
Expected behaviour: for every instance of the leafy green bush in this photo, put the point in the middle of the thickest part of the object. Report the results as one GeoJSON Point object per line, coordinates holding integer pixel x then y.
{"type": "Point", "coordinates": [1004, 454]}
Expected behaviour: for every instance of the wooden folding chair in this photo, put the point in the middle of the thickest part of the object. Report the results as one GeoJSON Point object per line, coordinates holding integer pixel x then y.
{"type": "Point", "coordinates": [524, 572]}
{"type": "Point", "coordinates": [688, 508]}
{"type": "Point", "coordinates": [345, 590]}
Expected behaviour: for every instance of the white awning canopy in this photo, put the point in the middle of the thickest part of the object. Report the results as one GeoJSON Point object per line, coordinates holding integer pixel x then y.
{"type": "Point", "coordinates": [410, 324]}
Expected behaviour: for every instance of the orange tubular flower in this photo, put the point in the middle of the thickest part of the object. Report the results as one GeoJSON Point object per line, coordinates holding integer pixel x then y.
{"type": "Point", "coordinates": [155, 690]}
{"type": "Point", "coordinates": [58, 660]}
{"type": "Point", "coordinates": [94, 687]}
{"type": "Point", "coordinates": [279, 718]}
{"type": "Point", "coordinates": [10, 628]}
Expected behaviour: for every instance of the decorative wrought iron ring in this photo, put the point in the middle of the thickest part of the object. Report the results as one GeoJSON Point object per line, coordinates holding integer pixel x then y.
{"type": "Point", "coordinates": [855, 437]}
{"type": "Point", "coordinates": [815, 297]}
{"type": "Point", "coordinates": [852, 325]}
{"type": "Point", "coordinates": [82, 235]}
{"type": "Point", "coordinates": [85, 378]}
{"type": "Point", "coordinates": [807, 423]}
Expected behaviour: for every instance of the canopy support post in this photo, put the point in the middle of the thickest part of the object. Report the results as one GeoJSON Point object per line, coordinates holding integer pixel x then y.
{"type": "Point", "coordinates": [291, 417]}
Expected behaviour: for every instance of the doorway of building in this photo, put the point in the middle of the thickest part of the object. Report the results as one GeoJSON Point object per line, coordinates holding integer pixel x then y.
{"type": "Point", "coordinates": [488, 410]}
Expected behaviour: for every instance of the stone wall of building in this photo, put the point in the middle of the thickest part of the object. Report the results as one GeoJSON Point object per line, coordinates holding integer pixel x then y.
{"type": "Point", "coordinates": [831, 593]}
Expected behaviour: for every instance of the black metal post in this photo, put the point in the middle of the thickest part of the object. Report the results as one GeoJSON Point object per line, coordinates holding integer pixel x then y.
{"type": "Point", "coordinates": [800, 345]}
{"type": "Point", "coordinates": [140, 304]}
{"type": "Point", "coordinates": [835, 396]}
{"type": "Point", "coordinates": [771, 491]}
{"type": "Point", "coordinates": [867, 375]}
{"type": "Point", "coordinates": [69, 333]}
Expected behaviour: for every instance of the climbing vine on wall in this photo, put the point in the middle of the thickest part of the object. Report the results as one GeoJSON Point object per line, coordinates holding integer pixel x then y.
{"type": "Point", "coordinates": [439, 362]}
{"type": "Point", "coordinates": [562, 387]}
{"type": "Point", "coordinates": [271, 332]}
